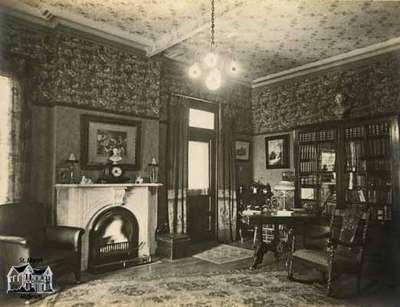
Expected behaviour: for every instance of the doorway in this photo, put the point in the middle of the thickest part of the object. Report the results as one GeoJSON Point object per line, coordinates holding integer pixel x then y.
{"type": "Point", "coordinates": [201, 171]}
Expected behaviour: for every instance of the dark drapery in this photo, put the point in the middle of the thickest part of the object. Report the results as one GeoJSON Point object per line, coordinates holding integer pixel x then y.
{"type": "Point", "coordinates": [227, 206]}
{"type": "Point", "coordinates": [177, 151]}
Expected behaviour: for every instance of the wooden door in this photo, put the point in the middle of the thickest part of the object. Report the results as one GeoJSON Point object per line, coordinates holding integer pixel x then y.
{"type": "Point", "coordinates": [201, 176]}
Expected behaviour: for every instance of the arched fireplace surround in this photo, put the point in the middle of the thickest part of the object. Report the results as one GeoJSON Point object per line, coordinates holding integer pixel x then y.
{"type": "Point", "coordinates": [113, 239]}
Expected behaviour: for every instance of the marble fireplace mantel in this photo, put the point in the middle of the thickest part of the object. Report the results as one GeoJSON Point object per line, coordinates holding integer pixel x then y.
{"type": "Point", "coordinates": [79, 204]}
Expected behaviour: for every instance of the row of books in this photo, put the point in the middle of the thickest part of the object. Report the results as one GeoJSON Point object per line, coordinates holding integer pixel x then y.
{"type": "Point", "coordinates": [369, 195]}
{"type": "Point", "coordinates": [378, 147]}
{"type": "Point", "coordinates": [354, 132]}
{"type": "Point", "coordinates": [382, 214]}
{"type": "Point", "coordinates": [379, 129]}
{"type": "Point", "coordinates": [356, 180]}
{"type": "Point", "coordinates": [378, 165]}
{"type": "Point", "coordinates": [324, 135]}
{"type": "Point", "coordinates": [379, 181]}
{"type": "Point", "coordinates": [309, 179]}
{"type": "Point", "coordinates": [368, 165]}
{"type": "Point", "coordinates": [308, 152]}
{"type": "Point", "coordinates": [308, 166]}
{"type": "Point", "coordinates": [354, 153]}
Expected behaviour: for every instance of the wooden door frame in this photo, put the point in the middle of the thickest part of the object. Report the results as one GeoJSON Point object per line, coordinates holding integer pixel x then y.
{"type": "Point", "coordinates": [208, 135]}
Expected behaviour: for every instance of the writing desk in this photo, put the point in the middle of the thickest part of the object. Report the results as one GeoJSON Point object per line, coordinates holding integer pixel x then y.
{"type": "Point", "coordinates": [277, 246]}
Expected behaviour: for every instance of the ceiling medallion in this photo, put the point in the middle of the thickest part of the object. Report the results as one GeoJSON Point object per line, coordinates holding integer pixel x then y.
{"type": "Point", "coordinates": [212, 63]}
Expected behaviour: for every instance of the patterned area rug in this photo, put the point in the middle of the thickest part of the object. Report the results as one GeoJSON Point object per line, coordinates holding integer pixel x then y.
{"type": "Point", "coordinates": [224, 253]}
{"type": "Point", "coordinates": [237, 288]}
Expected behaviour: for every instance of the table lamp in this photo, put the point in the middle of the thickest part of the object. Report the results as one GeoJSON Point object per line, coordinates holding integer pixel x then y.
{"type": "Point", "coordinates": [284, 187]}
{"type": "Point", "coordinates": [153, 170]}
{"type": "Point", "coordinates": [72, 161]}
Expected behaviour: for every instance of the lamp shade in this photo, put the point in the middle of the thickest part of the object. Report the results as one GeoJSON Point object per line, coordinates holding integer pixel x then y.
{"type": "Point", "coordinates": [285, 186]}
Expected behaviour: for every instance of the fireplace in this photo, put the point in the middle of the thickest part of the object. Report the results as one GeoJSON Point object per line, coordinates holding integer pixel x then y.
{"type": "Point", "coordinates": [113, 240]}
{"type": "Point", "coordinates": [120, 222]}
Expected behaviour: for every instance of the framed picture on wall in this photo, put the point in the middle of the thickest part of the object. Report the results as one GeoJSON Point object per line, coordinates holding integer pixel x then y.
{"type": "Point", "coordinates": [103, 137]}
{"type": "Point", "coordinates": [242, 150]}
{"type": "Point", "coordinates": [277, 151]}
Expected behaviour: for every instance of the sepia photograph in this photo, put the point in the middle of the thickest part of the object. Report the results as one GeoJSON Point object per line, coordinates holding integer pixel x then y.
{"type": "Point", "coordinates": [200, 153]}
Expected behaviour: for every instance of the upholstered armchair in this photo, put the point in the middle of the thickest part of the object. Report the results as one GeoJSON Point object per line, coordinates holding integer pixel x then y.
{"type": "Point", "coordinates": [57, 246]}
{"type": "Point", "coordinates": [332, 250]}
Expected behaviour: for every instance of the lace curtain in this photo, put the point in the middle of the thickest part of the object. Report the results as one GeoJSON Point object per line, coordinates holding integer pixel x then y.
{"type": "Point", "coordinates": [13, 142]}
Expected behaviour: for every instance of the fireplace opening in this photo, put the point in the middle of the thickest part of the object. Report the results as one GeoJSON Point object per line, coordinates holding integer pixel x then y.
{"type": "Point", "coordinates": [113, 240]}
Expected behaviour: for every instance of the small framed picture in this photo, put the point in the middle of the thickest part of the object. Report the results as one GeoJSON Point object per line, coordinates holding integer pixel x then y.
{"type": "Point", "coordinates": [242, 150]}
{"type": "Point", "coordinates": [307, 193]}
{"type": "Point", "coordinates": [277, 151]}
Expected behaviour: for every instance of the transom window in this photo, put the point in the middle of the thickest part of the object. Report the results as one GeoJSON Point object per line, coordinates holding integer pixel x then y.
{"type": "Point", "coordinates": [201, 119]}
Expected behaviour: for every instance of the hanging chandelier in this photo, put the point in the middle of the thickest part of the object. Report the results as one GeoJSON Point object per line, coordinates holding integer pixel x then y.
{"type": "Point", "coordinates": [212, 65]}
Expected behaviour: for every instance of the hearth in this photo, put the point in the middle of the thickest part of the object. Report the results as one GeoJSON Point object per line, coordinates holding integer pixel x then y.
{"type": "Point", "coordinates": [129, 237]}
{"type": "Point", "coordinates": [113, 240]}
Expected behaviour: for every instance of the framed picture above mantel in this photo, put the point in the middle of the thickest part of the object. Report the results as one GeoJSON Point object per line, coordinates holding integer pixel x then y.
{"type": "Point", "coordinates": [277, 151]}
{"type": "Point", "coordinates": [102, 137]}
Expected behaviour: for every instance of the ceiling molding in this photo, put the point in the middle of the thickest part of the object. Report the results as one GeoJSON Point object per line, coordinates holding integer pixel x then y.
{"type": "Point", "coordinates": [52, 18]}
{"type": "Point", "coordinates": [163, 43]}
{"type": "Point", "coordinates": [344, 58]}
{"type": "Point", "coordinates": [187, 31]}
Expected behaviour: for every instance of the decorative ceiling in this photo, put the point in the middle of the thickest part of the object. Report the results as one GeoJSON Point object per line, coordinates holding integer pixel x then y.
{"type": "Point", "coordinates": [265, 36]}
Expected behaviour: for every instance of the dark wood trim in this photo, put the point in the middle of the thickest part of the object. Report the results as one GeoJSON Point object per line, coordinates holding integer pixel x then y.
{"type": "Point", "coordinates": [94, 109]}
{"type": "Point", "coordinates": [86, 119]}
{"type": "Point", "coordinates": [288, 130]}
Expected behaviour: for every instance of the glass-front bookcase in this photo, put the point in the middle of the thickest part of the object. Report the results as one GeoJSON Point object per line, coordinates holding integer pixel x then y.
{"type": "Point", "coordinates": [316, 167]}
{"type": "Point", "coordinates": [348, 163]}
{"type": "Point", "coordinates": [368, 171]}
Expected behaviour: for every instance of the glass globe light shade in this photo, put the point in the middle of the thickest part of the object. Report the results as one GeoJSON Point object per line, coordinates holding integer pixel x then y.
{"type": "Point", "coordinates": [213, 80]}
{"type": "Point", "coordinates": [194, 71]}
{"type": "Point", "coordinates": [234, 67]}
{"type": "Point", "coordinates": [211, 59]}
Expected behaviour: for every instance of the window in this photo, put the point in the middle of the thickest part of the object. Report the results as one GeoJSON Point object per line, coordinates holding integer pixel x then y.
{"type": "Point", "coordinates": [199, 177]}
{"type": "Point", "coordinates": [11, 161]}
{"type": "Point", "coordinates": [5, 132]}
{"type": "Point", "coordinates": [201, 119]}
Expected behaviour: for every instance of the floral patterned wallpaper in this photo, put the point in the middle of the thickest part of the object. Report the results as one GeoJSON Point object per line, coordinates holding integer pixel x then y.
{"type": "Point", "coordinates": [70, 70]}
{"type": "Point", "coordinates": [370, 88]}
{"type": "Point", "coordinates": [74, 71]}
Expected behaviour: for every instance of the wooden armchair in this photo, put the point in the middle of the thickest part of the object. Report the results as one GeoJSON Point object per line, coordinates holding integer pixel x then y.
{"type": "Point", "coordinates": [335, 250]}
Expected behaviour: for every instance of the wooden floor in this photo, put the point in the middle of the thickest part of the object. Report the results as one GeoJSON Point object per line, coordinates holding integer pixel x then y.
{"type": "Point", "coordinates": [376, 296]}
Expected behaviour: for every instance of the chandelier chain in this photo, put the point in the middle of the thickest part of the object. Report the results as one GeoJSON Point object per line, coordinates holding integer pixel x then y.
{"type": "Point", "coordinates": [212, 24]}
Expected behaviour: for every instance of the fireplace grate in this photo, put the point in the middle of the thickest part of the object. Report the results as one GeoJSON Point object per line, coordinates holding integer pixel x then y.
{"type": "Point", "coordinates": [113, 248]}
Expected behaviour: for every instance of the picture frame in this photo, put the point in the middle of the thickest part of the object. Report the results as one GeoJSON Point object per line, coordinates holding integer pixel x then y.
{"type": "Point", "coordinates": [242, 150]}
{"type": "Point", "coordinates": [101, 135]}
{"type": "Point", "coordinates": [277, 151]}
